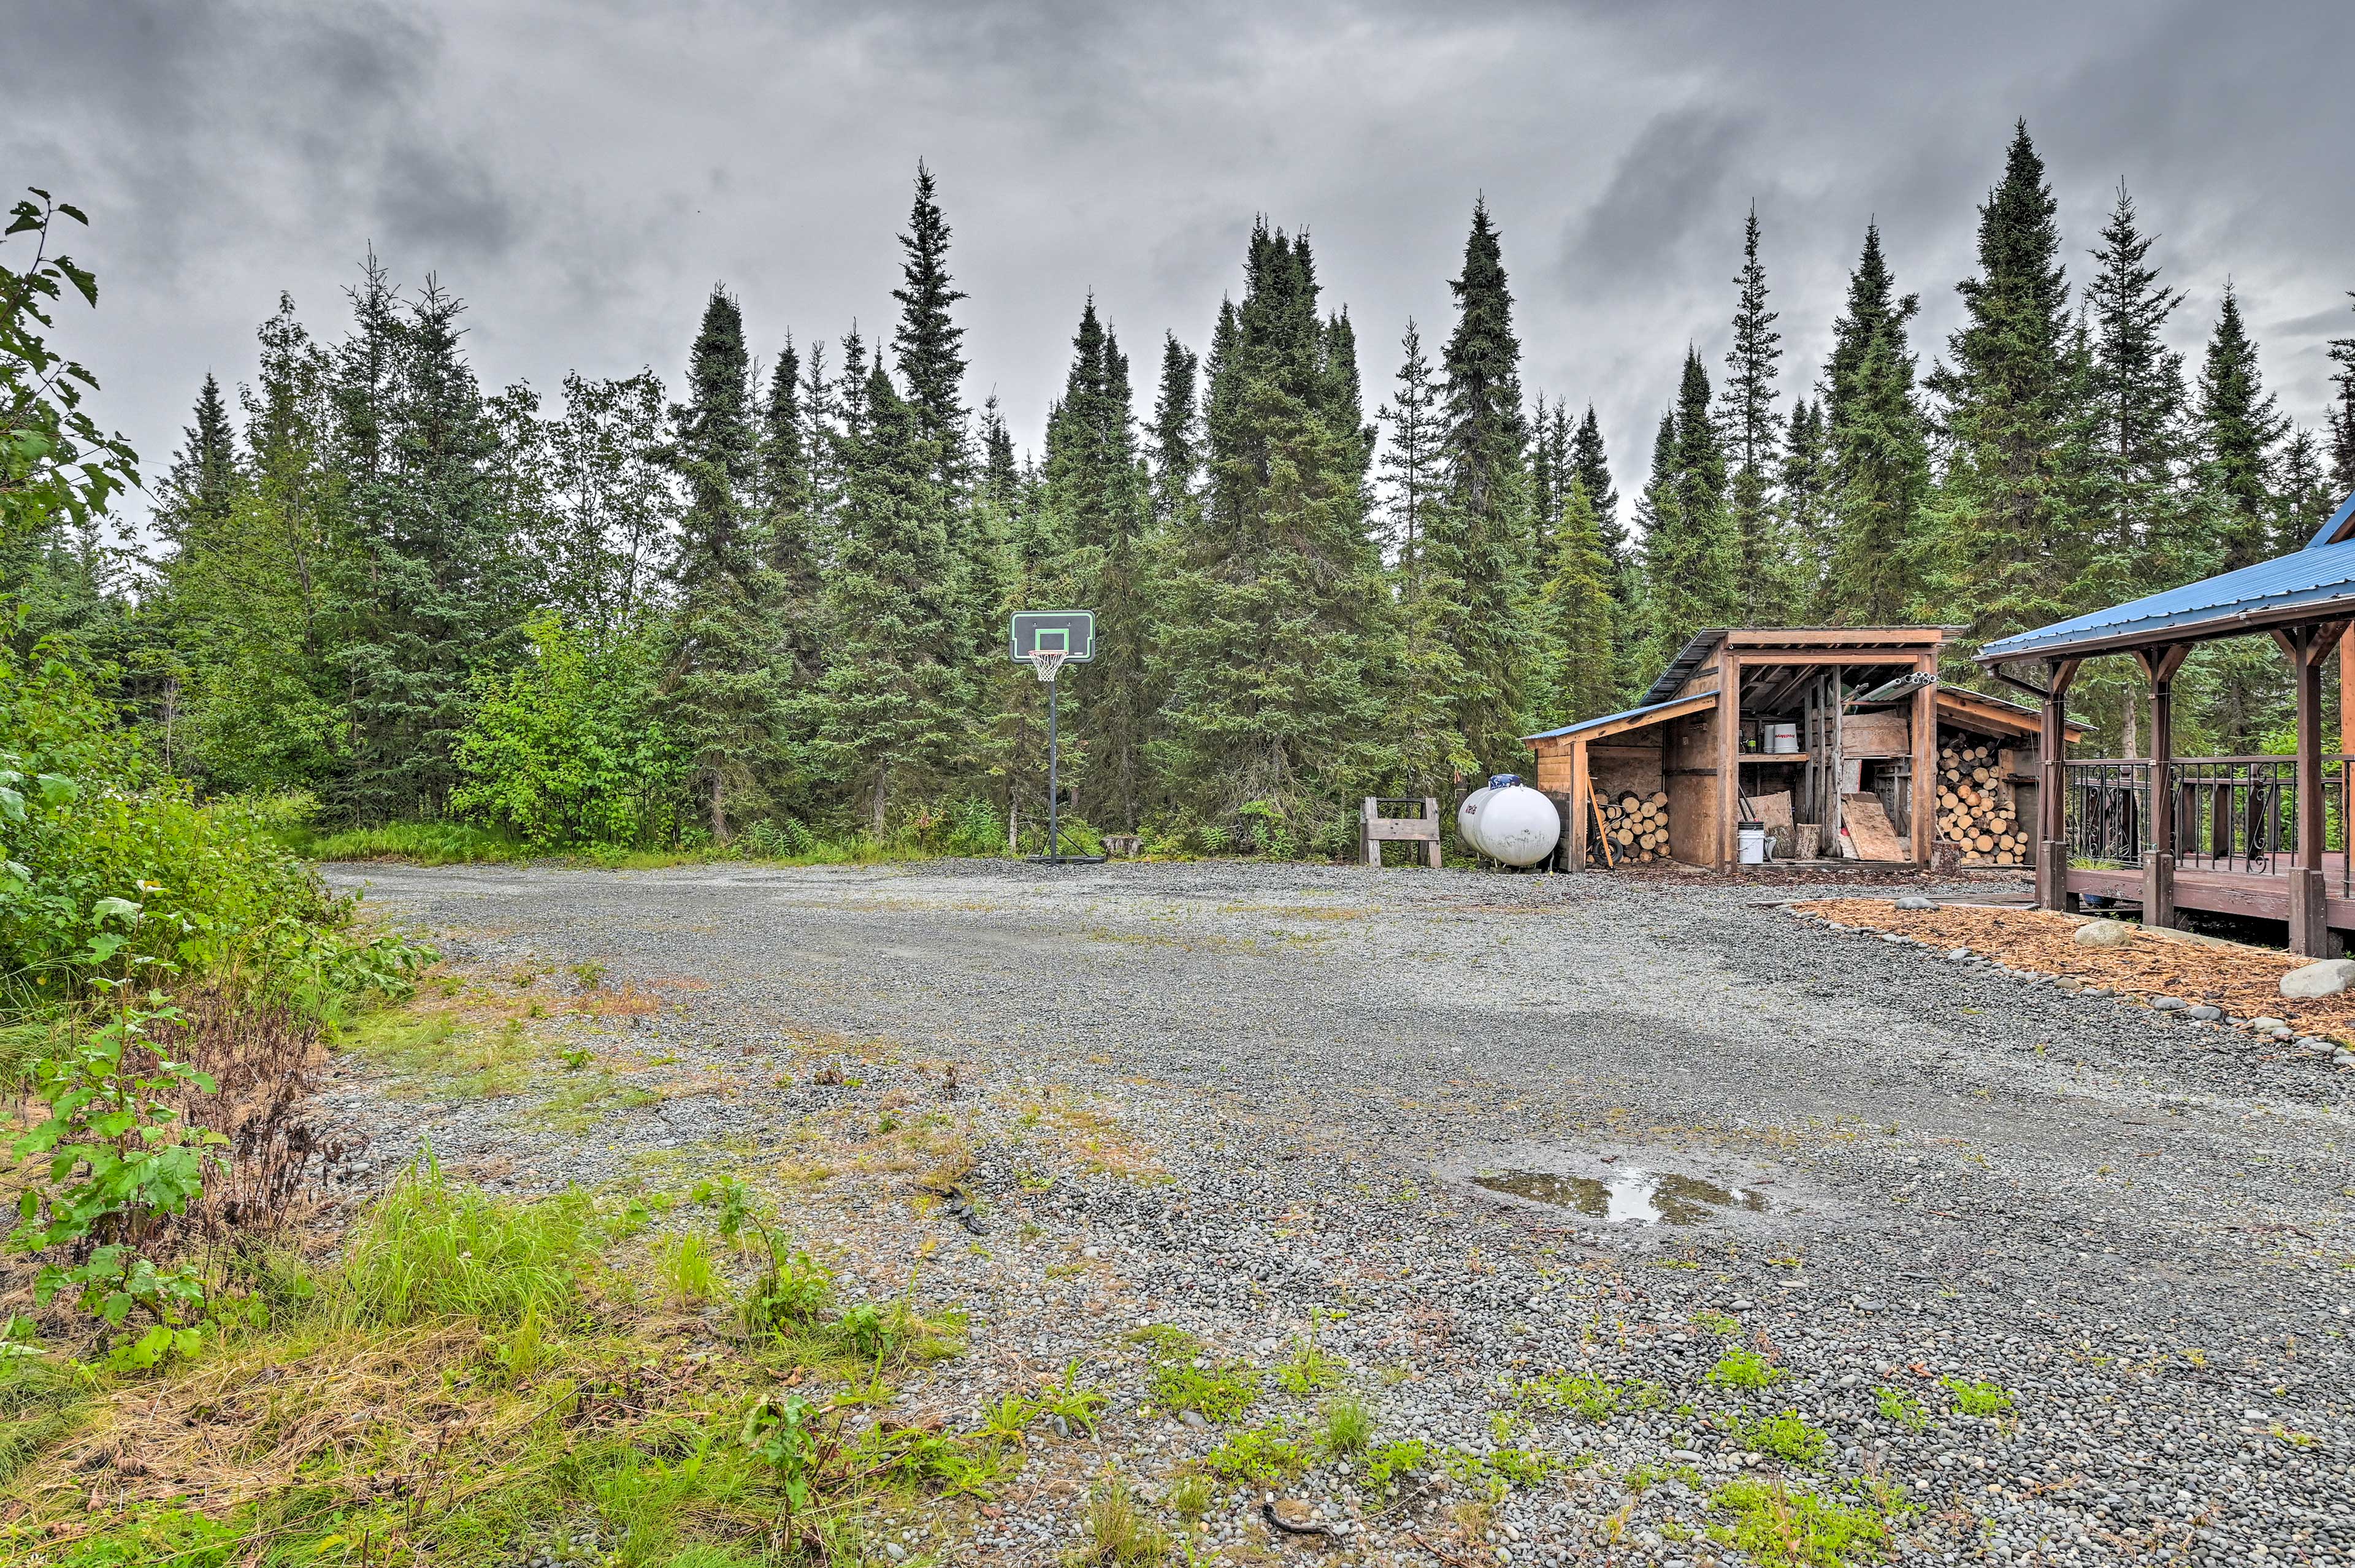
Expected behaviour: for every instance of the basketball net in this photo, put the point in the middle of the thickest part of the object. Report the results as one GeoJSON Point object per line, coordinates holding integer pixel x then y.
{"type": "Point", "coordinates": [1046, 662]}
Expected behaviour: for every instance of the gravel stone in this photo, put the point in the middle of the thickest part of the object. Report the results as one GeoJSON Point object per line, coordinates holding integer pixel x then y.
{"type": "Point", "coordinates": [2134, 1229]}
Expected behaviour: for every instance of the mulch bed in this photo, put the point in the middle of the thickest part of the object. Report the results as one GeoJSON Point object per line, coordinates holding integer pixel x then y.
{"type": "Point", "coordinates": [2243, 981]}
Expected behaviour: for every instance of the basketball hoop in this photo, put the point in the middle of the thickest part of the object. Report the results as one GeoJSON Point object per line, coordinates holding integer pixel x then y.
{"type": "Point", "coordinates": [1046, 662]}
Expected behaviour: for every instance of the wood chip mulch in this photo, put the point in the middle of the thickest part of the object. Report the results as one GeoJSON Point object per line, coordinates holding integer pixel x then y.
{"type": "Point", "coordinates": [2245, 982]}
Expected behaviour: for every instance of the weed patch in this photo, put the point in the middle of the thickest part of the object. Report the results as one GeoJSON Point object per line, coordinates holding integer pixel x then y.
{"type": "Point", "coordinates": [1783, 1528]}
{"type": "Point", "coordinates": [1744, 1369]}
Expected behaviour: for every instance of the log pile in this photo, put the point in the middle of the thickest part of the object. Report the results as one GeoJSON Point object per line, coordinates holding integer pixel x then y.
{"type": "Point", "coordinates": [1975, 808]}
{"type": "Point", "coordinates": [1636, 824]}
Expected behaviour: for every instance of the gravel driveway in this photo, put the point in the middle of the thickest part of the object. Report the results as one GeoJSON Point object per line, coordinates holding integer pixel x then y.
{"type": "Point", "coordinates": [1428, 1115]}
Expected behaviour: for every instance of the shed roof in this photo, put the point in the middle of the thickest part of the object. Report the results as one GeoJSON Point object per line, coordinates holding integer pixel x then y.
{"type": "Point", "coordinates": [1629, 719]}
{"type": "Point", "coordinates": [1838, 645]}
{"type": "Point", "coordinates": [2316, 583]}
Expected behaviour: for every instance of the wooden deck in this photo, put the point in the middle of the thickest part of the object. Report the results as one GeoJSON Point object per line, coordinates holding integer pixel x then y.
{"type": "Point", "coordinates": [2263, 895]}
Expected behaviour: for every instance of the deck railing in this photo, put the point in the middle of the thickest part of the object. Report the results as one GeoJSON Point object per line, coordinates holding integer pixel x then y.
{"type": "Point", "coordinates": [2230, 814]}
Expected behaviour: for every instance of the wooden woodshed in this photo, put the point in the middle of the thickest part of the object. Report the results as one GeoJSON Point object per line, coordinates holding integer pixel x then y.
{"type": "Point", "coordinates": [1824, 734]}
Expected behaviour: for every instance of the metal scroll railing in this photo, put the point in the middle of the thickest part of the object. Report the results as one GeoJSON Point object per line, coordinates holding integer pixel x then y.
{"type": "Point", "coordinates": [2230, 814]}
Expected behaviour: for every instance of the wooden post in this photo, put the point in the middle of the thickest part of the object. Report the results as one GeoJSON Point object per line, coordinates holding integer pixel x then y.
{"type": "Point", "coordinates": [1923, 797]}
{"type": "Point", "coordinates": [1431, 844]}
{"type": "Point", "coordinates": [2310, 930]}
{"type": "Point", "coordinates": [2158, 861]}
{"type": "Point", "coordinates": [1729, 752]}
{"type": "Point", "coordinates": [1573, 831]}
{"type": "Point", "coordinates": [1367, 845]}
{"type": "Point", "coordinates": [2052, 851]}
{"type": "Point", "coordinates": [2347, 697]}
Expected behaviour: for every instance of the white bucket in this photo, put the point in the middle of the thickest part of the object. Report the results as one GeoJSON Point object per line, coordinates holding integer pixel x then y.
{"type": "Point", "coordinates": [1782, 739]}
{"type": "Point", "coordinates": [1753, 843]}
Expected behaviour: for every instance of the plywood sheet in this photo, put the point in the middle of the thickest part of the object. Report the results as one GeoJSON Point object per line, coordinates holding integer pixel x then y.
{"type": "Point", "coordinates": [1869, 829]}
{"type": "Point", "coordinates": [1882, 733]}
{"type": "Point", "coordinates": [1773, 811]}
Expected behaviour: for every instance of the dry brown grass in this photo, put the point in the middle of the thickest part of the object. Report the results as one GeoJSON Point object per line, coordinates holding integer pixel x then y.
{"type": "Point", "coordinates": [2243, 981]}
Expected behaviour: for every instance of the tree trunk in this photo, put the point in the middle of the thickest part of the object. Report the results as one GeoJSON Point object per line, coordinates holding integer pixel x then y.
{"type": "Point", "coordinates": [720, 806]}
{"type": "Point", "coordinates": [882, 787]}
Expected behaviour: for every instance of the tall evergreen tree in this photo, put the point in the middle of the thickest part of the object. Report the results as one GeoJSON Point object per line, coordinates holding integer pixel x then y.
{"type": "Point", "coordinates": [928, 342]}
{"type": "Point", "coordinates": [2008, 537]}
{"type": "Point", "coordinates": [1879, 450]}
{"type": "Point", "coordinates": [2342, 414]}
{"type": "Point", "coordinates": [789, 542]}
{"type": "Point", "coordinates": [2139, 534]}
{"type": "Point", "coordinates": [724, 688]}
{"type": "Point", "coordinates": [1174, 447]}
{"type": "Point", "coordinates": [1578, 666]}
{"type": "Point", "coordinates": [1480, 538]}
{"type": "Point", "coordinates": [1689, 560]}
{"type": "Point", "coordinates": [1804, 500]}
{"type": "Point", "coordinates": [1766, 585]}
{"type": "Point", "coordinates": [1592, 469]}
{"type": "Point", "coordinates": [2241, 426]}
{"type": "Point", "coordinates": [1275, 609]}
{"type": "Point", "coordinates": [890, 713]}
{"type": "Point", "coordinates": [202, 483]}
{"type": "Point", "coordinates": [1411, 466]}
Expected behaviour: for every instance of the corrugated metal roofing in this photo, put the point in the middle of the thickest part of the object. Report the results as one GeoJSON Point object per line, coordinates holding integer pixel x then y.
{"type": "Point", "coordinates": [1689, 659]}
{"type": "Point", "coordinates": [2320, 576]}
{"type": "Point", "coordinates": [2336, 529]}
{"type": "Point", "coordinates": [1584, 725]}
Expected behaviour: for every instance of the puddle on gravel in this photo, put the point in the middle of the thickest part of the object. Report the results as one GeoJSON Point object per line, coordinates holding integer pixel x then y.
{"type": "Point", "coordinates": [1643, 1197]}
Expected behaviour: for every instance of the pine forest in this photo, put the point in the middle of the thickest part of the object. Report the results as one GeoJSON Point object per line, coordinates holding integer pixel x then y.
{"type": "Point", "coordinates": [766, 607]}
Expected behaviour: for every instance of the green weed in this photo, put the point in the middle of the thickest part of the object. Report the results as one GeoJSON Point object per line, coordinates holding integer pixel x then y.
{"type": "Point", "coordinates": [431, 1249]}
{"type": "Point", "coordinates": [1978, 1398]}
{"type": "Point", "coordinates": [1348, 1426]}
{"type": "Point", "coordinates": [1220, 1392]}
{"type": "Point", "coordinates": [1902, 1408]}
{"type": "Point", "coordinates": [687, 1272]}
{"type": "Point", "coordinates": [1743, 1369]}
{"type": "Point", "coordinates": [1261, 1454]}
{"type": "Point", "coordinates": [1189, 1497]}
{"type": "Point", "coordinates": [1386, 1464]}
{"type": "Point", "coordinates": [1116, 1532]}
{"type": "Point", "coordinates": [1785, 1436]}
{"type": "Point", "coordinates": [1310, 1369]}
{"type": "Point", "coordinates": [1783, 1528]}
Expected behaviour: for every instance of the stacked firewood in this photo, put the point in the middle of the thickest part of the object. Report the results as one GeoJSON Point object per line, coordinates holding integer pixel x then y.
{"type": "Point", "coordinates": [1637, 826]}
{"type": "Point", "coordinates": [1975, 809]}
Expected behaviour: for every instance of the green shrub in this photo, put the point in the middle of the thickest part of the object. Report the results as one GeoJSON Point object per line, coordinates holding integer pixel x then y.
{"type": "Point", "coordinates": [1221, 1392]}
{"type": "Point", "coordinates": [1784, 1529]}
{"type": "Point", "coordinates": [1785, 1436]}
{"type": "Point", "coordinates": [1263, 1455]}
{"type": "Point", "coordinates": [1978, 1398]}
{"type": "Point", "coordinates": [1348, 1426]}
{"type": "Point", "coordinates": [423, 843]}
{"type": "Point", "coordinates": [564, 748]}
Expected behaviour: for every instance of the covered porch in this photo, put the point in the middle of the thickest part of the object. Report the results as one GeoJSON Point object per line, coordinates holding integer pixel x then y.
{"type": "Point", "coordinates": [2261, 837]}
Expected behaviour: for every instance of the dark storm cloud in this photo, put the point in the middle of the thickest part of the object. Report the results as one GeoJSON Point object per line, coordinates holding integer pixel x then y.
{"type": "Point", "coordinates": [580, 172]}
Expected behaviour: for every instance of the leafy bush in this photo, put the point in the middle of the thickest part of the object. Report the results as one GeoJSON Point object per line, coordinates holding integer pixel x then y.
{"type": "Point", "coordinates": [425, 843]}
{"type": "Point", "coordinates": [564, 748]}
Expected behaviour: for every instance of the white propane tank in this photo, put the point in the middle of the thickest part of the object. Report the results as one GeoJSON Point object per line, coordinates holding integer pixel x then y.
{"type": "Point", "coordinates": [1468, 817]}
{"type": "Point", "coordinates": [1518, 824]}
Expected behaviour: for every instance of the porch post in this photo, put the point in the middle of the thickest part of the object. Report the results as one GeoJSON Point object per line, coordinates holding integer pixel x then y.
{"type": "Point", "coordinates": [2310, 929]}
{"type": "Point", "coordinates": [1729, 751]}
{"type": "Point", "coordinates": [1574, 839]}
{"type": "Point", "coordinates": [1922, 802]}
{"type": "Point", "coordinates": [2158, 861]}
{"type": "Point", "coordinates": [2052, 850]}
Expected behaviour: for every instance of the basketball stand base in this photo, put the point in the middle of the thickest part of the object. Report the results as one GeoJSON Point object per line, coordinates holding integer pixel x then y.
{"type": "Point", "coordinates": [1065, 860]}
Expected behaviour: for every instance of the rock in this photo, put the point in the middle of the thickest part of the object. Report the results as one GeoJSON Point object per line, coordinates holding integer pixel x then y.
{"type": "Point", "coordinates": [2168, 1003]}
{"type": "Point", "coordinates": [2327, 978]}
{"type": "Point", "coordinates": [2068, 983]}
{"type": "Point", "coordinates": [2342, 1057]}
{"type": "Point", "coordinates": [1917, 901]}
{"type": "Point", "coordinates": [1194, 1418]}
{"type": "Point", "coordinates": [2204, 1013]}
{"type": "Point", "coordinates": [1958, 953]}
{"type": "Point", "coordinates": [2270, 1026]}
{"type": "Point", "coordinates": [2104, 933]}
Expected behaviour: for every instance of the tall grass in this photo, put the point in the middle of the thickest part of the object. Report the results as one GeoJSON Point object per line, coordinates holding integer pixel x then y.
{"type": "Point", "coordinates": [432, 1249]}
{"type": "Point", "coordinates": [426, 843]}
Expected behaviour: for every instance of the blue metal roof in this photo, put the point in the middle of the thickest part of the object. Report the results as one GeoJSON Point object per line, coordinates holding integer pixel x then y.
{"type": "Point", "coordinates": [2337, 530]}
{"type": "Point", "coordinates": [1584, 725]}
{"type": "Point", "coordinates": [2319, 578]}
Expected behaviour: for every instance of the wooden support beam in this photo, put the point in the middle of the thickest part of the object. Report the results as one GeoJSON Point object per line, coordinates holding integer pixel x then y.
{"type": "Point", "coordinates": [1922, 793]}
{"type": "Point", "coordinates": [1729, 752]}
{"type": "Point", "coordinates": [2052, 853]}
{"type": "Point", "coordinates": [1582, 790]}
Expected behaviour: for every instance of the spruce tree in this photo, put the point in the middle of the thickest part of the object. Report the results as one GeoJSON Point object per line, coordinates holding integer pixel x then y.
{"type": "Point", "coordinates": [1879, 463]}
{"type": "Point", "coordinates": [1480, 536]}
{"type": "Point", "coordinates": [887, 719]}
{"type": "Point", "coordinates": [1690, 561]}
{"type": "Point", "coordinates": [2139, 536]}
{"type": "Point", "coordinates": [724, 688]}
{"type": "Point", "coordinates": [2008, 536]}
{"type": "Point", "coordinates": [1592, 469]}
{"type": "Point", "coordinates": [435, 594]}
{"type": "Point", "coordinates": [203, 481]}
{"type": "Point", "coordinates": [1578, 654]}
{"type": "Point", "coordinates": [1411, 464]}
{"type": "Point", "coordinates": [2239, 427]}
{"type": "Point", "coordinates": [1096, 488]}
{"type": "Point", "coordinates": [929, 344]}
{"type": "Point", "coordinates": [1276, 612]}
{"type": "Point", "coordinates": [1765, 582]}
{"type": "Point", "coordinates": [1804, 500]}
{"type": "Point", "coordinates": [2342, 415]}
{"type": "Point", "coordinates": [1175, 445]}
{"type": "Point", "coordinates": [789, 542]}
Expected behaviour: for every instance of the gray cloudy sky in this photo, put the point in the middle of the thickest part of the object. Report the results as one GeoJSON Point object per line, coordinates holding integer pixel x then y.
{"type": "Point", "coordinates": [583, 172]}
